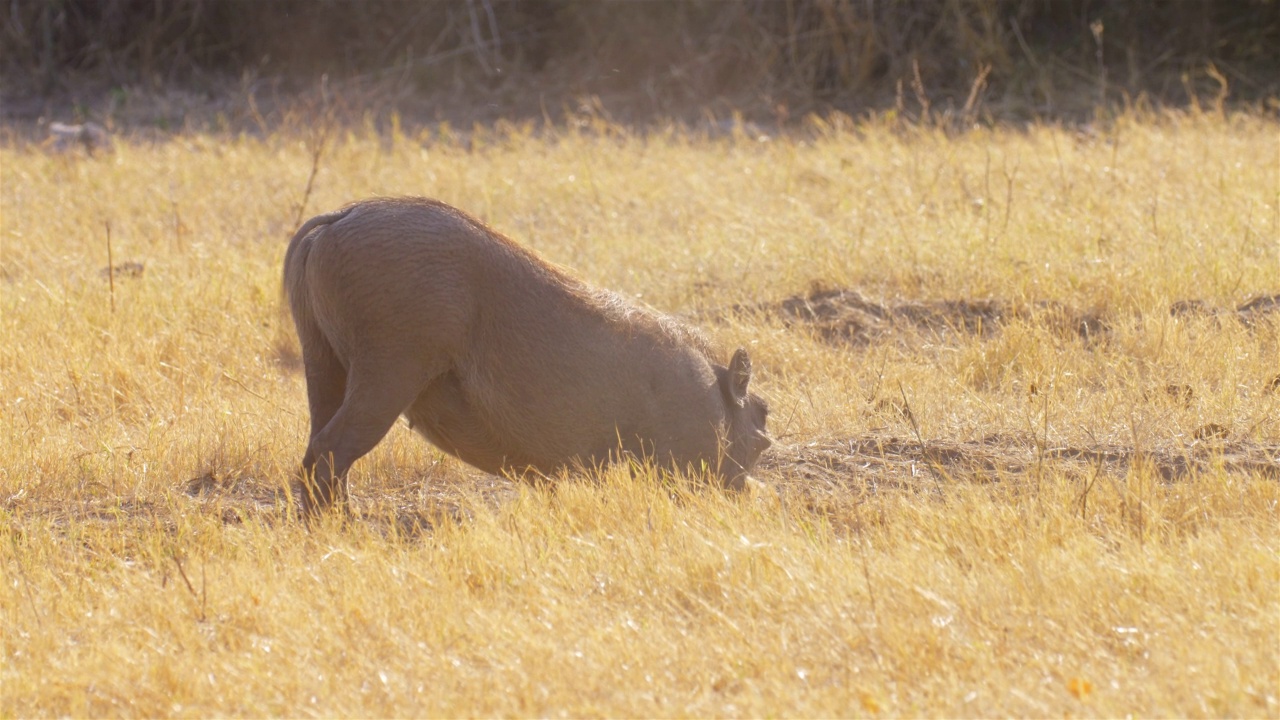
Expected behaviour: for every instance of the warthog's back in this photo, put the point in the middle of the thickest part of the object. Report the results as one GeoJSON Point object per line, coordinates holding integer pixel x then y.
{"type": "Point", "coordinates": [493, 354]}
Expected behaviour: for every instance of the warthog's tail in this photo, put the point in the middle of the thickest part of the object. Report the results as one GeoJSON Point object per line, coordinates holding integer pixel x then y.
{"type": "Point", "coordinates": [295, 258]}
{"type": "Point", "coordinates": [295, 262]}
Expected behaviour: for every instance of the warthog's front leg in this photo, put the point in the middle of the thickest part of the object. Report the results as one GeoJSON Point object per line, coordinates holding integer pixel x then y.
{"type": "Point", "coordinates": [374, 398]}
{"type": "Point", "coordinates": [359, 425]}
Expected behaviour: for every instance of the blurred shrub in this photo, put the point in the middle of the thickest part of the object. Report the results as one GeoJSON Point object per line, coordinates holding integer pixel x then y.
{"type": "Point", "coordinates": [1037, 56]}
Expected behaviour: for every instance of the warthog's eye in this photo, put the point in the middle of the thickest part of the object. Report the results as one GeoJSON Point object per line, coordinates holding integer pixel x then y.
{"type": "Point", "coordinates": [764, 411]}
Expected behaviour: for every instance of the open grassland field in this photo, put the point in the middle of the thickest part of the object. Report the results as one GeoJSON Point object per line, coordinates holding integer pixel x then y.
{"type": "Point", "coordinates": [1025, 388]}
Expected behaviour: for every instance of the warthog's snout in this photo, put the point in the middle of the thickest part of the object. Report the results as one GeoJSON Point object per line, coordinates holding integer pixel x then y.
{"type": "Point", "coordinates": [411, 307]}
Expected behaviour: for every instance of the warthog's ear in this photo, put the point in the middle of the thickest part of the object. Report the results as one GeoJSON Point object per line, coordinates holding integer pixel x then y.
{"type": "Point", "coordinates": [736, 378]}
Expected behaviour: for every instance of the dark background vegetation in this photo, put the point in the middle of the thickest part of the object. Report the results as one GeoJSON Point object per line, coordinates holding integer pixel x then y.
{"type": "Point", "coordinates": [175, 63]}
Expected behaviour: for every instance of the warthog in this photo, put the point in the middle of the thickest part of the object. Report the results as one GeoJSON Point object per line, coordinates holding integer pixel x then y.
{"type": "Point", "coordinates": [412, 307]}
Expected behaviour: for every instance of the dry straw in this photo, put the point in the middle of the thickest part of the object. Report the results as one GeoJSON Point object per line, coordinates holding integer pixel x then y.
{"type": "Point", "coordinates": [1024, 387]}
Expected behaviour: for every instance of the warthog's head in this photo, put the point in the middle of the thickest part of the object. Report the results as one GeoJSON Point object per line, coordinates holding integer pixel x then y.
{"type": "Point", "coordinates": [745, 416]}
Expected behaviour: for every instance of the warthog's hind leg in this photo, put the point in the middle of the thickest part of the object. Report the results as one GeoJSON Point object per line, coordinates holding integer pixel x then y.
{"type": "Point", "coordinates": [326, 388]}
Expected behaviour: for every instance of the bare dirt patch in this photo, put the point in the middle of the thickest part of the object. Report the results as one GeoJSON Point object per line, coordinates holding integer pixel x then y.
{"type": "Point", "coordinates": [845, 316]}
{"type": "Point", "coordinates": [1249, 312]}
{"type": "Point", "coordinates": [407, 502]}
{"type": "Point", "coordinates": [876, 462]}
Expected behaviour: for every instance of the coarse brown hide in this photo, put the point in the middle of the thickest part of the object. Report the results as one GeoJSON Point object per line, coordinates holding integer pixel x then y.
{"type": "Point", "coordinates": [411, 307]}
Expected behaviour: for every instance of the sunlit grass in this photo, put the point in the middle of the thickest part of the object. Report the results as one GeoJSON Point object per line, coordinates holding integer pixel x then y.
{"type": "Point", "coordinates": [1028, 520]}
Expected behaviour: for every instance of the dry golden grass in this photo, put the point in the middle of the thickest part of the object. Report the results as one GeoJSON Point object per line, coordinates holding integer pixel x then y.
{"type": "Point", "coordinates": [1027, 459]}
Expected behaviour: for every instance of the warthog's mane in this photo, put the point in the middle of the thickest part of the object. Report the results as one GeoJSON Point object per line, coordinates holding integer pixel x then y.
{"type": "Point", "coordinates": [626, 313]}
